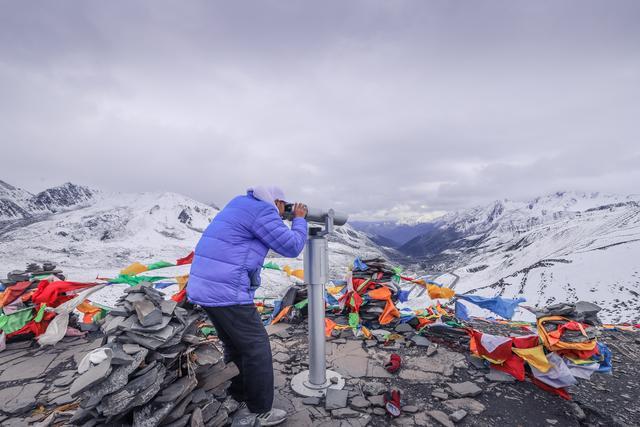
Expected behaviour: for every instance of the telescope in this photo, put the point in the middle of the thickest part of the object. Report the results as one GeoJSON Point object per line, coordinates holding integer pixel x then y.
{"type": "Point", "coordinates": [317, 215]}
{"type": "Point", "coordinates": [317, 379]}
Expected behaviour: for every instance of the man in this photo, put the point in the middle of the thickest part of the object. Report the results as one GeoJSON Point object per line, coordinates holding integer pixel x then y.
{"type": "Point", "coordinates": [224, 277]}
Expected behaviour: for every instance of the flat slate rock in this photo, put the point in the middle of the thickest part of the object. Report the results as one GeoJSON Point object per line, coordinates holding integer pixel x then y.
{"type": "Point", "coordinates": [63, 381]}
{"type": "Point", "coordinates": [420, 341]}
{"type": "Point", "coordinates": [167, 306]}
{"type": "Point", "coordinates": [148, 314]}
{"type": "Point", "coordinates": [278, 327]}
{"type": "Point", "coordinates": [311, 401]}
{"type": "Point", "coordinates": [410, 409]}
{"type": "Point", "coordinates": [441, 418]}
{"type": "Point", "coordinates": [499, 376]}
{"type": "Point", "coordinates": [359, 402]}
{"type": "Point", "coordinates": [281, 357]}
{"type": "Point", "coordinates": [458, 415]}
{"type": "Point", "coordinates": [404, 327]}
{"type": "Point", "coordinates": [145, 341]}
{"type": "Point", "coordinates": [210, 410]}
{"type": "Point", "coordinates": [94, 375]}
{"type": "Point", "coordinates": [440, 395]}
{"type": "Point", "coordinates": [477, 363]}
{"type": "Point", "coordinates": [470, 405]}
{"type": "Point", "coordinates": [32, 367]}
{"type": "Point", "coordinates": [211, 382]}
{"type": "Point", "coordinates": [181, 422]}
{"type": "Point", "coordinates": [207, 355]}
{"type": "Point", "coordinates": [120, 357]}
{"type": "Point", "coordinates": [336, 399]}
{"type": "Point", "coordinates": [373, 388]}
{"type": "Point", "coordinates": [465, 389]}
{"type": "Point", "coordinates": [199, 395]}
{"type": "Point", "coordinates": [19, 398]}
{"type": "Point", "coordinates": [112, 323]}
{"type": "Point", "coordinates": [122, 399]}
{"type": "Point", "coordinates": [379, 411]}
{"type": "Point", "coordinates": [196, 418]}
{"type": "Point", "coordinates": [177, 390]}
{"type": "Point", "coordinates": [153, 328]}
{"type": "Point", "coordinates": [131, 348]}
{"type": "Point", "coordinates": [151, 414]}
{"type": "Point", "coordinates": [376, 400]}
{"type": "Point", "coordinates": [345, 413]}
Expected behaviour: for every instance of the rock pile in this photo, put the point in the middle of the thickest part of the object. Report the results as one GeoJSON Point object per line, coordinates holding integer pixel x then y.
{"type": "Point", "coordinates": [153, 369]}
{"type": "Point", "coordinates": [32, 272]}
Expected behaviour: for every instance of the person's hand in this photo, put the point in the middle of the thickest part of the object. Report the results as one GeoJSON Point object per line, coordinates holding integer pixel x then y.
{"type": "Point", "coordinates": [299, 210]}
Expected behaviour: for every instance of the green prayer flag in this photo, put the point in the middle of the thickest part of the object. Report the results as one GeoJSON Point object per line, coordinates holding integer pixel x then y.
{"type": "Point", "coordinates": [302, 304]}
{"type": "Point", "coordinates": [135, 280]}
{"type": "Point", "coordinates": [208, 330]}
{"type": "Point", "coordinates": [40, 313]}
{"type": "Point", "coordinates": [100, 315]}
{"type": "Point", "coordinates": [159, 264]}
{"type": "Point", "coordinates": [271, 265]}
{"type": "Point", "coordinates": [15, 321]}
{"type": "Point", "coordinates": [354, 320]}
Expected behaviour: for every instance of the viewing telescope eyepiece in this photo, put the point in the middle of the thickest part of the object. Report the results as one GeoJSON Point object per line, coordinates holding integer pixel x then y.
{"type": "Point", "coordinates": [317, 215]}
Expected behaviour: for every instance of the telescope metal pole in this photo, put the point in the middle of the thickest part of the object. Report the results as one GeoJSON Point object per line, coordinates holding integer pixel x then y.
{"type": "Point", "coordinates": [313, 382]}
{"type": "Point", "coordinates": [315, 276]}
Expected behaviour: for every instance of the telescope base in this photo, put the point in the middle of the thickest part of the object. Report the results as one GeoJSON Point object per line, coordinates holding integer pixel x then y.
{"type": "Point", "coordinates": [301, 385]}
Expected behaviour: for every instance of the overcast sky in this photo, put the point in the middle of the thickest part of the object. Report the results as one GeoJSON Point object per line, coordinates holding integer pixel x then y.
{"type": "Point", "coordinates": [380, 108]}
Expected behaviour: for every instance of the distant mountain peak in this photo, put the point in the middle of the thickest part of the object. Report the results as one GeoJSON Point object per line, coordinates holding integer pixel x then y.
{"type": "Point", "coordinates": [63, 196]}
{"type": "Point", "coordinates": [18, 203]}
{"type": "Point", "coordinates": [7, 186]}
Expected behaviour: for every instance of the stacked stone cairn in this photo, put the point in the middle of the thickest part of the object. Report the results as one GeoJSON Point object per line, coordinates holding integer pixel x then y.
{"type": "Point", "coordinates": [153, 369]}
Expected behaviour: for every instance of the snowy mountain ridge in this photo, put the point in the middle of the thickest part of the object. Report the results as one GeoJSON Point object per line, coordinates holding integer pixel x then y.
{"type": "Point", "coordinates": [510, 215]}
{"type": "Point", "coordinates": [16, 203]}
{"type": "Point", "coordinates": [562, 247]}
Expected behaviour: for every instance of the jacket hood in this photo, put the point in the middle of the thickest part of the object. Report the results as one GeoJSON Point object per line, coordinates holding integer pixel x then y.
{"type": "Point", "coordinates": [267, 194]}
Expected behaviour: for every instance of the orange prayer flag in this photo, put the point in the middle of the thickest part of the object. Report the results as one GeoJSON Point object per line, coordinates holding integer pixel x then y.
{"type": "Point", "coordinates": [133, 269]}
{"type": "Point", "coordinates": [280, 315]}
{"type": "Point", "coordinates": [328, 326]}
{"type": "Point", "coordinates": [390, 312]}
{"type": "Point", "coordinates": [182, 281]}
{"type": "Point", "coordinates": [382, 293]}
{"type": "Point", "coordinates": [438, 292]}
{"type": "Point", "coordinates": [89, 311]}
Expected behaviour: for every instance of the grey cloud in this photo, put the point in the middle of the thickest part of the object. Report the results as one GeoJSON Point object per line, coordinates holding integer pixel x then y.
{"type": "Point", "coordinates": [378, 108]}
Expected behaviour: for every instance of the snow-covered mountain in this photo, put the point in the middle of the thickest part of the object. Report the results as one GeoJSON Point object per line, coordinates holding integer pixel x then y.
{"type": "Point", "coordinates": [566, 246]}
{"type": "Point", "coordinates": [99, 233]}
{"type": "Point", "coordinates": [16, 203]}
{"type": "Point", "coordinates": [390, 233]}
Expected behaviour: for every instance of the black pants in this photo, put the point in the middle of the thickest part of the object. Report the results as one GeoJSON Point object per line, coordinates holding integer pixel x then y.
{"type": "Point", "coordinates": [246, 343]}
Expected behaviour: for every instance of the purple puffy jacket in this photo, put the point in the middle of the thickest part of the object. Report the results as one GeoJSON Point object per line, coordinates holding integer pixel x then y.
{"type": "Point", "coordinates": [229, 256]}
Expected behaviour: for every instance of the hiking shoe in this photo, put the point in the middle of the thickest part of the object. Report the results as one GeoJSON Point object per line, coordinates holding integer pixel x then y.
{"type": "Point", "coordinates": [272, 418]}
{"type": "Point", "coordinates": [246, 419]}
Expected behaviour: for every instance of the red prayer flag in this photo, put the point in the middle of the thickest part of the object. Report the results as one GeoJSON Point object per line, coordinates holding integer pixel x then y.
{"type": "Point", "coordinates": [186, 260]}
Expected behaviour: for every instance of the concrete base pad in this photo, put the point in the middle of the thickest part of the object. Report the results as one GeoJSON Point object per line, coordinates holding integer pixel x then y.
{"type": "Point", "coordinates": [300, 384]}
